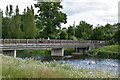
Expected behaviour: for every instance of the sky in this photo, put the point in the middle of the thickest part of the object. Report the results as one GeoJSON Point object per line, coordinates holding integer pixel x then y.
{"type": "Point", "coordinates": [92, 11]}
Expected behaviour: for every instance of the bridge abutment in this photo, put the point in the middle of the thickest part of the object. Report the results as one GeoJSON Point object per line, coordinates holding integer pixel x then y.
{"type": "Point", "coordinates": [10, 53]}
{"type": "Point", "coordinates": [57, 52]}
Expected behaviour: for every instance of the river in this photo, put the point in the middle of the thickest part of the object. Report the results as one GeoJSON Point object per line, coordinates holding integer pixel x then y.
{"type": "Point", "coordinates": [85, 62]}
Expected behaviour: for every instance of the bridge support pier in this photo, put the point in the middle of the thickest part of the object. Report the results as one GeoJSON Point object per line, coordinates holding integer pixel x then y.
{"type": "Point", "coordinates": [10, 53]}
{"type": "Point", "coordinates": [57, 52]}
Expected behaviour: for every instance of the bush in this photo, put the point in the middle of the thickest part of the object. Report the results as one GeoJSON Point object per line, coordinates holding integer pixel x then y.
{"type": "Point", "coordinates": [92, 53]}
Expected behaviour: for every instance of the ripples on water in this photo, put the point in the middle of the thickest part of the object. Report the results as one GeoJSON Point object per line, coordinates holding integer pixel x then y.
{"type": "Point", "coordinates": [94, 63]}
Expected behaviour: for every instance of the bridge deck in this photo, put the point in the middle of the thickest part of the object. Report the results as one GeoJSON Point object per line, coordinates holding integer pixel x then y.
{"type": "Point", "coordinates": [7, 44]}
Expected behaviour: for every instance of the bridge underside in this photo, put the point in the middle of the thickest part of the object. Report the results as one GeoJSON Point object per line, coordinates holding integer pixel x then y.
{"type": "Point", "coordinates": [54, 51]}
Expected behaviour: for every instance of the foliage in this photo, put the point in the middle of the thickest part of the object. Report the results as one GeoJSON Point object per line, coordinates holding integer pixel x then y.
{"type": "Point", "coordinates": [98, 33]}
{"type": "Point", "coordinates": [70, 31]}
{"type": "Point", "coordinates": [28, 23]}
{"type": "Point", "coordinates": [32, 53]}
{"type": "Point", "coordinates": [50, 17]}
{"type": "Point", "coordinates": [73, 38]}
{"type": "Point", "coordinates": [117, 37]}
{"type": "Point", "coordinates": [19, 26]}
{"type": "Point", "coordinates": [47, 23]}
{"type": "Point", "coordinates": [68, 51]}
{"type": "Point", "coordinates": [29, 68]}
{"type": "Point", "coordinates": [63, 35]}
{"type": "Point", "coordinates": [110, 51]}
{"type": "Point", "coordinates": [83, 30]}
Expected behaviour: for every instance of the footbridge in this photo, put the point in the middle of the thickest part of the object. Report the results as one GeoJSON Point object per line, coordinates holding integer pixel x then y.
{"type": "Point", "coordinates": [9, 46]}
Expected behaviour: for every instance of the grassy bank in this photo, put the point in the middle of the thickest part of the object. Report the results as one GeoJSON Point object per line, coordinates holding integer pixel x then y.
{"type": "Point", "coordinates": [110, 51]}
{"type": "Point", "coordinates": [40, 52]}
{"type": "Point", "coordinates": [18, 68]}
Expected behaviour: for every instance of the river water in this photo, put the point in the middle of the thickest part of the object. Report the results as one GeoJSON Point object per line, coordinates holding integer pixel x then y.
{"type": "Point", "coordinates": [85, 62]}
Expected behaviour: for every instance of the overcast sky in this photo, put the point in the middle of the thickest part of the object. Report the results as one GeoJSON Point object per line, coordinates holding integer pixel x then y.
{"type": "Point", "coordinates": [92, 11]}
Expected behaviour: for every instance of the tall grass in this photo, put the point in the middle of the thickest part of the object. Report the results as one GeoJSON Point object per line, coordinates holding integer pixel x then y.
{"type": "Point", "coordinates": [29, 68]}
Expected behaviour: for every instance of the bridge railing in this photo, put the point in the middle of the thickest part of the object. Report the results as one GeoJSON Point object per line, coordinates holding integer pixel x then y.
{"type": "Point", "coordinates": [39, 41]}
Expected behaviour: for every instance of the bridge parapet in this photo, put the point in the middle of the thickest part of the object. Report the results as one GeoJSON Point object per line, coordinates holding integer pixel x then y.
{"type": "Point", "coordinates": [39, 41]}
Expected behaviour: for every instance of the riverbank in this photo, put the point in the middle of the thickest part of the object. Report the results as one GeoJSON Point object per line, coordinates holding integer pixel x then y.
{"type": "Point", "coordinates": [29, 68]}
{"type": "Point", "coordinates": [110, 51]}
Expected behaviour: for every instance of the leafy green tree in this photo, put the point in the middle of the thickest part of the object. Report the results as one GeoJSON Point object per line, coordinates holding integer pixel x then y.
{"type": "Point", "coordinates": [63, 34]}
{"type": "Point", "coordinates": [117, 37]}
{"type": "Point", "coordinates": [15, 28]}
{"type": "Point", "coordinates": [108, 32]}
{"type": "Point", "coordinates": [83, 29]}
{"type": "Point", "coordinates": [70, 31]}
{"type": "Point", "coordinates": [98, 33]}
{"type": "Point", "coordinates": [50, 17]}
{"type": "Point", "coordinates": [28, 23]}
{"type": "Point", "coordinates": [5, 24]}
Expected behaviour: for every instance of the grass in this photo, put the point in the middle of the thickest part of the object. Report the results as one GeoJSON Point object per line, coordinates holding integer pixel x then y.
{"type": "Point", "coordinates": [29, 68]}
{"type": "Point", "coordinates": [110, 51]}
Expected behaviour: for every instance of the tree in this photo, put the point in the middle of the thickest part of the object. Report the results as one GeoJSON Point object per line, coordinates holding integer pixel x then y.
{"type": "Point", "coordinates": [28, 23]}
{"type": "Point", "coordinates": [63, 34]}
{"type": "Point", "coordinates": [50, 17]}
{"type": "Point", "coordinates": [108, 32]}
{"type": "Point", "coordinates": [1, 15]}
{"type": "Point", "coordinates": [98, 33]}
{"type": "Point", "coordinates": [17, 10]}
{"type": "Point", "coordinates": [117, 37]}
{"type": "Point", "coordinates": [11, 11]}
{"type": "Point", "coordinates": [83, 29]}
{"type": "Point", "coordinates": [70, 31]}
{"type": "Point", "coordinates": [7, 11]}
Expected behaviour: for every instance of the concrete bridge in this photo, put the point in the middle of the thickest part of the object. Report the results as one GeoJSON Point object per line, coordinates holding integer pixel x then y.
{"type": "Point", "coordinates": [9, 46]}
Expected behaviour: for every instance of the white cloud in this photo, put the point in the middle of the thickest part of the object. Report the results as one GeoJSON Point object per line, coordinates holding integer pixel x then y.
{"type": "Point", "coordinates": [93, 11]}
{"type": "Point", "coordinates": [21, 3]}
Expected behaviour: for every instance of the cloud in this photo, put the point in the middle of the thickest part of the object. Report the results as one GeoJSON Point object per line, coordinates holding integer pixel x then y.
{"type": "Point", "coordinates": [21, 3]}
{"type": "Point", "coordinates": [92, 11]}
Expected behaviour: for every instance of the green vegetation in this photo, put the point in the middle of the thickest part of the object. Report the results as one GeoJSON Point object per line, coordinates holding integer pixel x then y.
{"type": "Point", "coordinates": [39, 52]}
{"type": "Point", "coordinates": [18, 68]}
{"type": "Point", "coordinates": [33, 52]}
{"type": "Point", "coordinates": [68, 51]}
{"type": "Point", "coordinates": [110, 51]}
{"type": "Point", "coordinates": [47, 24]}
